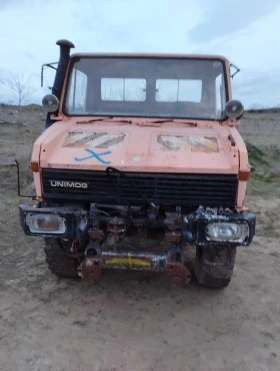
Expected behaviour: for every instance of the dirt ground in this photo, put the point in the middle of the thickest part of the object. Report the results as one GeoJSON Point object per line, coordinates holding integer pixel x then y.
{"type": "Point", "coordinates": [131, 321]}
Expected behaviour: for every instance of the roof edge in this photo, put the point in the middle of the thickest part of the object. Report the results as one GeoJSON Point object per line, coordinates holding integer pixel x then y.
{"type": "Point", "coordinates": [151, 55]}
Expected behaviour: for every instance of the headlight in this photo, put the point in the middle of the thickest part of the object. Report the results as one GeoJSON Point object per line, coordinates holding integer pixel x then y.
{"type": "Point", "coordinates": [234, 109]}
{"type": "Point", "coordinates": [227, 232]}
{"type": "Point", "coordinates": [46, 223]}
{"type": "Point", "coordinates": [50, 102]}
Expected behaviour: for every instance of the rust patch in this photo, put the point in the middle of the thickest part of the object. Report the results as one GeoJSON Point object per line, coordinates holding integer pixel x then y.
{"type": "Point", "coordinates": [95, 234]}
{"type": "Point", "coordinates": [177, 273]}
{"type": "Point", "coordinates": [91, 269]}
{"type": "Point", "coordinates": [173, 236]}
{"type": "Point", "coordinates": [192, 143]}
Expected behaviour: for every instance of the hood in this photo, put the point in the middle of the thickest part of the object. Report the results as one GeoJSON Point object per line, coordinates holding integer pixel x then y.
{"type": "Point", "coordinates": [164, 147]}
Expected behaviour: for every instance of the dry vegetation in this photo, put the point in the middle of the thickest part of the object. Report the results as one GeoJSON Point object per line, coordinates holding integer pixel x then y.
{"type": "Point", "coordinates": [133, 322]}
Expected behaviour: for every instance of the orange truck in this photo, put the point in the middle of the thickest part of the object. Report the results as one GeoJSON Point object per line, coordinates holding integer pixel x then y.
{"type": "Point", "coordinates": [141, 167]}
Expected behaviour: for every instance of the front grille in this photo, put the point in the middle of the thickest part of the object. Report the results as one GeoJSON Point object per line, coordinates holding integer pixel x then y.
{"type": "Point", "coordinates": [213, 190]}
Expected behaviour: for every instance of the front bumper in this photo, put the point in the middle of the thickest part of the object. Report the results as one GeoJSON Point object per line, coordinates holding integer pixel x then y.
{"type": "Point", "coordinates": [170, 262]}
{"type": "Point", "coordinates": [192, 230]}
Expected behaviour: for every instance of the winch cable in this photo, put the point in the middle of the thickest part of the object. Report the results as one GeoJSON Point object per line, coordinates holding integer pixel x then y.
{"type": "Point", "coordinates": [123, 174]}
{"type": "Point", "coordinates": [119, 191]}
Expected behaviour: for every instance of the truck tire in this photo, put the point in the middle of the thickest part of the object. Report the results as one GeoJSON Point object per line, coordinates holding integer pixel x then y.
{"type": "Point", "coordinates": [214, 266]}
{"type": "Point", "coordinates": [59, 262]}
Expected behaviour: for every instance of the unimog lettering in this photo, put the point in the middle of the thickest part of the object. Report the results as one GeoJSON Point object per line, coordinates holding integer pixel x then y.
{"type": "Point", "coordinates": [63, 184]}
{"type": "Point", "coordinates": [141, 167]}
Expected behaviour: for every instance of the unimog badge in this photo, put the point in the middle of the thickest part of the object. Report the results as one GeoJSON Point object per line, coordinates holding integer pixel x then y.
{"type": "Point", "coordinates": [66, 184]}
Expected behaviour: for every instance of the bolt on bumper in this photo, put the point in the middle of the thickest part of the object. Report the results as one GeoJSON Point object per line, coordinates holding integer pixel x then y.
{"type": "Point", "coordinates": [171, 263]}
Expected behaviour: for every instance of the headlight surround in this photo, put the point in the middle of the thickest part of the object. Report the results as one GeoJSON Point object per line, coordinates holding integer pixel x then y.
{"type": "Point", "coordinates": [234, 109]}
{"type": "Point", "coordinates": [61, 221]}
{"type": "Point", "coordinates": [50, 103]}
{"type": "Point", "coordinates": [46, 223]}
{"type": "Point", "coordinates": [227, 232]}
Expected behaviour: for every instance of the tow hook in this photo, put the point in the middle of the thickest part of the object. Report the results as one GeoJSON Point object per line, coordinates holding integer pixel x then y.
{"type": "Point", "coordinates": [177, 273]}
{"type": "Point", "coordinates": [91, 266]}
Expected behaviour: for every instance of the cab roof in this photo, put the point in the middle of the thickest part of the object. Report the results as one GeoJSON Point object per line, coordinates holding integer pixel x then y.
{"type": "Point", "coordinates": [149, 55]}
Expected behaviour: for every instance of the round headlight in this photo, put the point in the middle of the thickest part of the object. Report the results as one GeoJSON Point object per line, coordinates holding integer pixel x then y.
{"type": "Point", "coordinates": [234, 109]}
{"type": "Point", "coordinates": [50, 102]}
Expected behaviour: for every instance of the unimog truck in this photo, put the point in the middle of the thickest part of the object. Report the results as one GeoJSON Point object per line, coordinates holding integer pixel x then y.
{"type": "Point", "coordinates": [141, 167]}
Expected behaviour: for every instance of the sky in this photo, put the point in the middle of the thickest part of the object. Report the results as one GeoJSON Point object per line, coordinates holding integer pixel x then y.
{"type": "Point", "coordinates": [245, 31]}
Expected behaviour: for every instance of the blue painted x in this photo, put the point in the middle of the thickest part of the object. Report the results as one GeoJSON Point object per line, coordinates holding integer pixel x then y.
{"type": "Point", "coordinates": [95, 155]}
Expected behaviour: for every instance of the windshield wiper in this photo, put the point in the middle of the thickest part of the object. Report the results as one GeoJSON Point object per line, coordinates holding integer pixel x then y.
{"type": "Point", "coordinates": [113, 119]}
{"type": "Point", "coordinates": [173, 120]}
{"type": "Point", "coordinates": [95, 119]}
{"type": "Point", "coordinates": [106, 118]}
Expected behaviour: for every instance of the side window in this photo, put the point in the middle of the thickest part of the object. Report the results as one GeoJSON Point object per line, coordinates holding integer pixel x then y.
{"type": "Point", "coordinates": [220, 94]}
{"type": "Point", "coordinates": [122, 89]}
{"type": "Point", "coordinates": [78, 91]}
{"type": "Point", "coordinates": [173, 90]}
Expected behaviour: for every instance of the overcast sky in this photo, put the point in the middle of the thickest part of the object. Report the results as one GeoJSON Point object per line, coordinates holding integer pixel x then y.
{"type": "Point", "coordinates": [245, 31]}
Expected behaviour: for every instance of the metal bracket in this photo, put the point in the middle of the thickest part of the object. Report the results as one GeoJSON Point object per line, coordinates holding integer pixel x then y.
{"type": "Point", "coordinates": [50, 65]}
{"type": "Point", "coordinates": [236, 70]}
{"type": "Point", "coordinates": [18, 184]}
{"type": "Point", "coordinates": [177, 273]}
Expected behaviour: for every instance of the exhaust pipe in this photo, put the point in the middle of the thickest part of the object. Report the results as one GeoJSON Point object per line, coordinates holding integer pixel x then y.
{"type": "Point", "coordinates": [65, 46]}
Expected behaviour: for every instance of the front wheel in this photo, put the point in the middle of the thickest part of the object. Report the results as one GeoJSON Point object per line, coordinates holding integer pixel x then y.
{"type": "Point", "coordinates": [59, 258]}
{"type": "Point", "coordinates": [214, 266]}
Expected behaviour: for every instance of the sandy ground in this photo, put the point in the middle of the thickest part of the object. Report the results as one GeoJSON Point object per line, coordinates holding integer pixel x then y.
{"type": "Point", "coordinates": [131, 322]}
{"type": "Point", "coordinates": [135, 322]}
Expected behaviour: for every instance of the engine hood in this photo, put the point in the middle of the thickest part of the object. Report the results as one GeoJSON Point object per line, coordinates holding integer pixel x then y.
{"type": "Point", "coordinates": [165, 147]}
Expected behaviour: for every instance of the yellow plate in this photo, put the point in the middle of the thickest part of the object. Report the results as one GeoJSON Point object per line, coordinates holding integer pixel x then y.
{"type": "Point", "coordinates": [128, 261]}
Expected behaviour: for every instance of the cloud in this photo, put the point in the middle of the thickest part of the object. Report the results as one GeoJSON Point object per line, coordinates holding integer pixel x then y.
{"type": "Point", "coordinates": [110, 25]}
{"type": "Point", "coordinates": [4, 4]}
{"type": "Point", "coordinates": [223, 19]}
{"type": "Point", "coordinates": [261, 87]}
{"type": "Point", "coordinates": [244, 31]}
{"type": "Point", "coordinates": [253, 49]}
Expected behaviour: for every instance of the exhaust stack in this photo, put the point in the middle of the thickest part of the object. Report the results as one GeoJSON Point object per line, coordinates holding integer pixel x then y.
{"type": "Point", "coordinates": [65, 46]}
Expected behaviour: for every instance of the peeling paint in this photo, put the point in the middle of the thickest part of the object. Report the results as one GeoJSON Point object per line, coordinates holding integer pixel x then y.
{"type": "Point", "coordinates": [136, 159]}
{"type": "Point", "coordinates": [191, 143]}
{"type": "Point", "coordinates": [79, 139]}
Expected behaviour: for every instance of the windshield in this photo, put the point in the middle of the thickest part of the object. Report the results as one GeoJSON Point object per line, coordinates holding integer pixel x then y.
{"type": "Point", "coordinates": [146, 87]}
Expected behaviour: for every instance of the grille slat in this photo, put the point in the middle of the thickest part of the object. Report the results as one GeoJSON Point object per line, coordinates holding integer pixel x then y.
{"type": "Point", "coordinates": [163, 189]}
